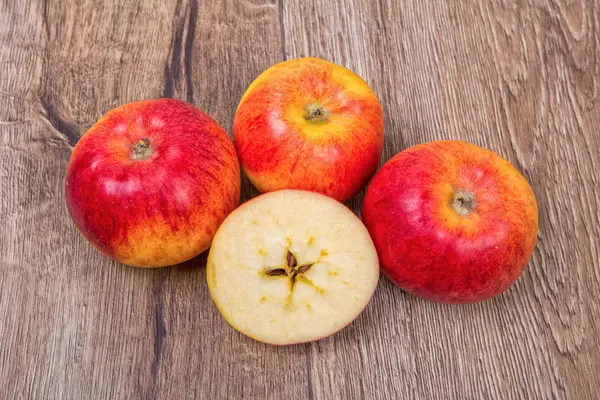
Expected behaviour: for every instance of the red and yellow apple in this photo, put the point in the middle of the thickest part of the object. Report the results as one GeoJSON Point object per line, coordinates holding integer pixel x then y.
{"type": "Point", "coordinates": [151, 181]}
{"type": "Point", "coordinates": [309, 124]}
{"type": "Point", "coordinates": [452, 222]}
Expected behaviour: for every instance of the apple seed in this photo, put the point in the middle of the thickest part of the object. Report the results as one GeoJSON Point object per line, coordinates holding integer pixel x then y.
{"type": "Point", "coordinates": [276, 272]}
{"type": "Point", "coordinates": [291, 260]}
{"type": "Point", "coordinates": [303, 269]}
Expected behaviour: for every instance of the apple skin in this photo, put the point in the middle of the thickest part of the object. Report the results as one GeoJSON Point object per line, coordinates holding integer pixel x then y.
{"type": "Point", "coordinates": [427, 247]}
{"type": "Point", "coordinates": [161, 210]}
{"type": "Point", "coordinates": [279, 148]}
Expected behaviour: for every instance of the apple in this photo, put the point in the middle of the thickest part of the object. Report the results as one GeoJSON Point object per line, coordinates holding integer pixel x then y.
{"type": "Point", "coordinates": [151, 181]}
{"type": "Point", "coordinates": [452, 222]}
{"type": "Point", "coordinates": [309, 124]}
{"type": "Point", "coordinates": [291, 266]}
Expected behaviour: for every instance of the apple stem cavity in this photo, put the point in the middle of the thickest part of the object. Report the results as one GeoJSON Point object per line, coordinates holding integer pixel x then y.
{"type": "Point", "coordinates": [142, 149]}
{"type": "Point", "coordinates": [316, 113]}
{"type": "Point", "coordinates": [463, 202]}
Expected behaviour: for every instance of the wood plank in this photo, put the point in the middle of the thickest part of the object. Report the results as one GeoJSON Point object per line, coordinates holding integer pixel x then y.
{"type": "Point", "coordinates": [519, 79]}
{"type": "Point", "coordinates": [73, 322]}
{"type": "Point", "coordinates": [76, 323]}
{"type": "Point", "coordinates": [202, 356]}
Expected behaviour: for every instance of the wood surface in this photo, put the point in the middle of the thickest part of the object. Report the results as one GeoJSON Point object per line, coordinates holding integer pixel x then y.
{"type": "Point", "coordinates": [519, 77]}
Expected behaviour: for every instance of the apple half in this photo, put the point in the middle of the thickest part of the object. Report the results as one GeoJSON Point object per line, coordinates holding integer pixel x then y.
{"type": "Point", "coordinates": [291, 266]}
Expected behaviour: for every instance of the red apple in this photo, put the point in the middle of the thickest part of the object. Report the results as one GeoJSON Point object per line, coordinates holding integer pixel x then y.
{"type": "Point", "coordinates": [451, 222]}
{"type": "Point", "coordinates": [309, 124]}
{"type": "Point", "coordinates": [151, 181]}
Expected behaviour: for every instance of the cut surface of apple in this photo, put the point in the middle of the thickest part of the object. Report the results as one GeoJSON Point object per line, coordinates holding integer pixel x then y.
{"type": "Point", "coordinates": [291, 266]}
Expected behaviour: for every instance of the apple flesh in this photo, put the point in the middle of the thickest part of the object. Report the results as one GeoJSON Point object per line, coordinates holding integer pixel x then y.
{"type": "Point", "coordinates": [291, 266]}
{"type": "Point", "coordinates": [452, 222]}
{"type": "Point", "coordinates": [309, 124]}
{"type": "Point", "coordinates": [151, 181]}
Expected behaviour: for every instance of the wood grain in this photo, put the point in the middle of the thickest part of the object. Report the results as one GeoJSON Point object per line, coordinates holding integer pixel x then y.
{"type": "Point", "coordinates": [519, 77]}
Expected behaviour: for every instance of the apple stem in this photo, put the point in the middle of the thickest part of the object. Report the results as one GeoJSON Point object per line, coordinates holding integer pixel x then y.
{"type": "Point", "coordinates": [142, 149]}
{"type": "Point", "coordinates": [316, 113]}
{"type": "Point", "coordinates": [463, 202]}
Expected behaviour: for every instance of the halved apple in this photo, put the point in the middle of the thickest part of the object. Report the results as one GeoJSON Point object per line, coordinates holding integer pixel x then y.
{"type": "Point", "coordinates": [291, 266]}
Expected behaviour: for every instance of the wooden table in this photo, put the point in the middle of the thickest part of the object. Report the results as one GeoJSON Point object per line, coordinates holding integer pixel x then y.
{"type": "Point", "coordinates": [521, 78]}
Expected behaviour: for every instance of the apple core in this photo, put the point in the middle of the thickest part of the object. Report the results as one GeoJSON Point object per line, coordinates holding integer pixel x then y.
{"type": "Point", "coordinates": [292, 270]}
